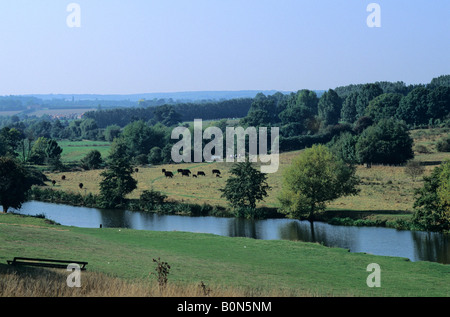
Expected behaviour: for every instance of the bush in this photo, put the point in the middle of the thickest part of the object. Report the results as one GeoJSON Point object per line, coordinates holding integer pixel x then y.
{"type": "Point", "coordinates": [149, 199]}
{"type": "Point", "coordinates": [443, 145]}
{"type": "Point", "coordinates": [421, 149]}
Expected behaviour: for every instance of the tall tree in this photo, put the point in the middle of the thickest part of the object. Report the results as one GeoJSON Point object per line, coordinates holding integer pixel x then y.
{"type": "Point", "coordinates": [367, 93]}
{"type": "Point", "coordinates": [117, 182]}
{"type": "Point", "coordinates": [246, 187]}
{"type": "Point", "coordinates": [413, 108]}
{"type": "Point", "coordinates": [315, 178]}
{"type": "Point", "coordinates": [348, 111]}
{"type": "Point", "coordinates": [329, 107]}
{"type": "Point", "coordinates": [432, 202]}
{"type": "Point", "coordinates": [13, 183]}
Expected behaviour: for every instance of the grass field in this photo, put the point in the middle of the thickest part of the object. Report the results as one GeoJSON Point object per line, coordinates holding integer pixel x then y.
{"type": "Point", "coordinates": [74, 151]}
{"type": "Point", "coordinates": [239, 266]}
{"type": "Point", "coordinates": [382, 188]}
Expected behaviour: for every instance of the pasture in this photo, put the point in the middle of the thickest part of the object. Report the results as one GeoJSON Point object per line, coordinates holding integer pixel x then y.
{"type": "Point", "coordinates": [383, 188]}
{"type": "Point", "coordinates": [74, 151]}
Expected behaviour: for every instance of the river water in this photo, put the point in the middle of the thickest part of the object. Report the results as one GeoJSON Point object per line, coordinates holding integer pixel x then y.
{"type": "Point", "coordinates": [414, 245]}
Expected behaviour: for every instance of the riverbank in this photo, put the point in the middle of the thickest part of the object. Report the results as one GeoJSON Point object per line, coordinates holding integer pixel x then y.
{"type": "Point", "coordinates": [249, 265]}
{"type": "Point", "coordinates": [400, 220]}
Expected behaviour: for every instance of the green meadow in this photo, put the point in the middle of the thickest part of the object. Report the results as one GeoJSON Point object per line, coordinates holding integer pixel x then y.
{"type": "Point", "coordinates": [249, 266]}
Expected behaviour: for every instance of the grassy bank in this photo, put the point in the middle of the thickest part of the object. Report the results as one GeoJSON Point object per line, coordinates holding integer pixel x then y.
{"type": "Point", "coordinates": [243, 265]}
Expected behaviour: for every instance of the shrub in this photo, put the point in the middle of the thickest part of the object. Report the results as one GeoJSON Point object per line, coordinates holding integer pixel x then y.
{"type": "Point", "coordinates": [443, 145]}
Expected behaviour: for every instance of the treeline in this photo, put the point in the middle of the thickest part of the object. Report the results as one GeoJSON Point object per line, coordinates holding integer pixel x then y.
{"type": "Point", "coordinates": [171, 114]}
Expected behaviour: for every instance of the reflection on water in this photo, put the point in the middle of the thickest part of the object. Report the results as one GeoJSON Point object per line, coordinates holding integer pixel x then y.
{"type": "Point", "coordinates": [414, 245]}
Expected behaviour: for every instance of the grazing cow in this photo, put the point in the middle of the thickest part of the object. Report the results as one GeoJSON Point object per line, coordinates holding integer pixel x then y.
{"type": "Point", "coordinates": [195, 176]}
{"type": "Point", "coordinates": [180, 170]}
{"type": "Point", "coordinates": [53, 182]}
{"type": "Point", "coordinates": [185, 173]}
{"type": "Point", "coordinates": [80, 185]}
{"type": "Point", "coordinates": [136, 170]}
{"type": "Point", "coordinates": [63, 177]}
{"type": "Point", "coordinates": [216, 172]}
{"type": "Point", "coordinates": [163, 170]}
{"type": "Point", "coordinates": [168, 174]}
{"type": "Point", "coordinates": [200, 173]}
{"type": "Point", "coordinates": [218, 176]}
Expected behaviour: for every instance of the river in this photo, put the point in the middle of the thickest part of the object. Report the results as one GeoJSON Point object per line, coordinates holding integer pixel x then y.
{"type": "Point", "coordinates": [414, 245]}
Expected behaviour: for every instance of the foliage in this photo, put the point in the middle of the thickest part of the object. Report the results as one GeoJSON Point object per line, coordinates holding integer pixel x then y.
{"type": "Point", "coordinates": [384, 106]}
{"type": "Point", "coordinates": [314, 178]}
{"type": "Point", "coordinates": [432, 203]}
{"type": "Point", "coordinates": [93, 160]}
{"type": "Point", "coordinates": [155, 155]}
{"type": "Point", "coordinates": [387, 142]}
{"type": "Point", "coordinates": [443, 145]}
{"type": "Point", "coordinates": [365, 95]}
{"type": "Point", "coordinates": [413, 108]}
{"type": "Point", "coordinates": [348, 110]}
{"type": "Point", "coordinates": [246, 186]}
{"type": "Point", "coordinates": [117, 179]}
{"type": "Point", "coordinates": [149, 199]}
{"type": "Point", "coordinates": [329, 107]}
{"type": "Point", "coordinates": [14, 184]}
{"type": "Point", "coordinates": [344, 147]}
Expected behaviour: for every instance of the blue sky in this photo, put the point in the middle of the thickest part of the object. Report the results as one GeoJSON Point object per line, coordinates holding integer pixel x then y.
{"type": "Point", "coordinates": [143, 46]}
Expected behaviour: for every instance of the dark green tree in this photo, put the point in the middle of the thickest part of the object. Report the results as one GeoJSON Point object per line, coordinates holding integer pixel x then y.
{"type": "Point", "coordinates": [155, 155]}
{"type": "Point", "coordinates": [384, 106]}
{"type": "Point", "coordinates": [117, 179]}
{"type": "Point", "coordinates": [329, 107]}
{"type": "Point", "coordinates": [439, 102]}
{"type": "Point", "coordinates": [387, 142]}
{"type": "Point", "coordinates": [246, 187]}
{"type": "Point", "coordinates": [14, 184]}
{"type": "Point", "coordinates": [117, 182]}
{"type": "Point", "coordinates": [365, 95]}
{"type": "Point", "coordinates": [92, 160]}
{"type": "Point", "coordinates": [413, 108]}
{"type": "Point", "coordinates": [431, 206]}
{"type": "Point", "coordinates": [348, 111]}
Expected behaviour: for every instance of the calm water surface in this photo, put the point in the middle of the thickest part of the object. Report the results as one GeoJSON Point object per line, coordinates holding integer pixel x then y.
{"type": "Point", "coordinates": [414, 245]}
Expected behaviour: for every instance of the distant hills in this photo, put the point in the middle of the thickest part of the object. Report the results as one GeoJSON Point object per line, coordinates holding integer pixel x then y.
{"type": "Point", "coordinates": [185, 96]}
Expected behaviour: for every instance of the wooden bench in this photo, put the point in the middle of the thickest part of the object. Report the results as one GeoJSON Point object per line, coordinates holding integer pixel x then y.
{"type": "Point", "coordinates": [60, 264]}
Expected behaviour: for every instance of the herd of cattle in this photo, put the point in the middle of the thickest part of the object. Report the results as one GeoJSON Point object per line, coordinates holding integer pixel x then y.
{"type": "Point", "coordinates": [168, 174]}
{"type": "Point", "coordinates": [186, 172]}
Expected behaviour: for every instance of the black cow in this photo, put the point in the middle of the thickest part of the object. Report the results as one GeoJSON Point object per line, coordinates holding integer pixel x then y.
{"type": "Point", "coordinates": [195, 176]}
{"type": "Point", "coordinates": [168, 174]}
{"type": "Point", "coordinates": [63, 177]}
{"type": "Point", "coordinates": [53, 182]}
{"type": "Point", "coordinates": [80, 185]}
{"type": "Point", "coordinates": [185, 173]}
{"type": "Point", "coordinates": [218, 176]}
{"type": "Point", "coordinates": [200, 173]}
{"type": "Point", "coordinates": [136, 170]}
{"type": "Point", "coordinates": [216, 172]}
{"type": "Point", "coordinates": [180, 170]}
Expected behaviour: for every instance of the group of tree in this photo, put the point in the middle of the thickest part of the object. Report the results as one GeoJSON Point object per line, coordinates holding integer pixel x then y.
{"type": "Point", "coordinates": [170, 115]}
{"type": "Point", "coordinates": [386, 142]}
{"type": "Point", "coordinates": [41, 151]}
